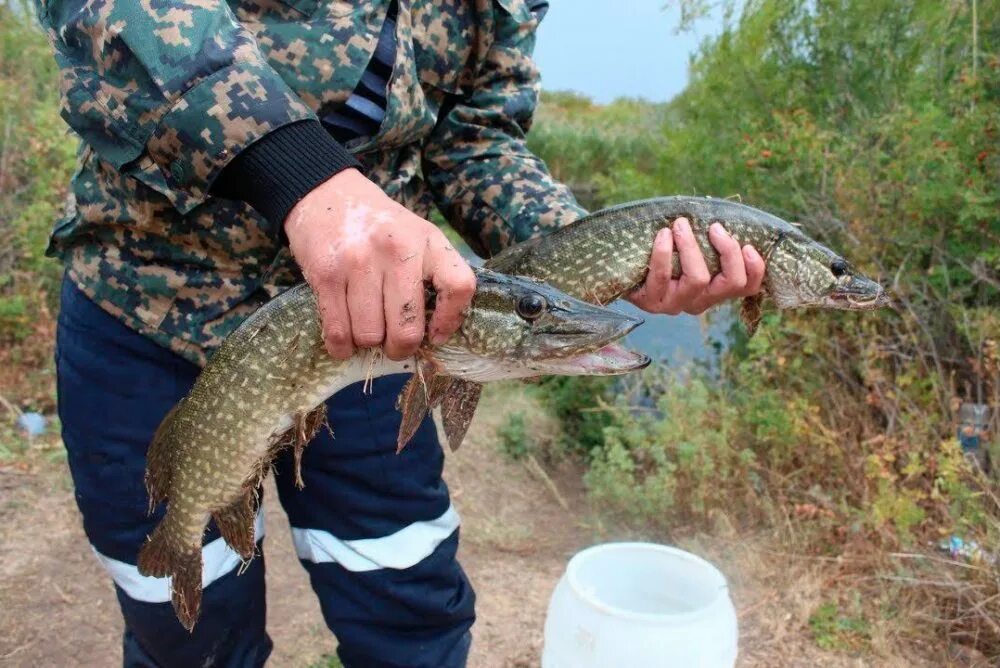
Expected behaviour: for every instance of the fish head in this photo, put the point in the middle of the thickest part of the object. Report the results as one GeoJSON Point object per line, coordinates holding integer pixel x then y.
{"type": "Point", "coordinates": [804, 273]}
{"type": "Point", "coordinates": [518, 327]}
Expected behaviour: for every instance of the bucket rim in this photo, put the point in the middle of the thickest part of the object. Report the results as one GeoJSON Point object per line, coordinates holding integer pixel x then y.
{"type": "Point", "coordinates": [587, 596]}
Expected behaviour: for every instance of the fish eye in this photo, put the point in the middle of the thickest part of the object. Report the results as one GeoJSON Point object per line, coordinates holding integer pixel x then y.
{"type": "Point", "coordinates": [531, 306]}
{"type": "Point", "coordinates": [838, 267]}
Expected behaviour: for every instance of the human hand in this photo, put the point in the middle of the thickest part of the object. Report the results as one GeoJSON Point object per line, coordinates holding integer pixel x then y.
{"type": "Point", "coordinates": [696, 290]}
{"type": "Point", "coordinates": [366, 258]}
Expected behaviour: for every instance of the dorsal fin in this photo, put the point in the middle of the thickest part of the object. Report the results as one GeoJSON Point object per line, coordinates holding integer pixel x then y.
{"type": "Point", "coordinates": [750, 313]}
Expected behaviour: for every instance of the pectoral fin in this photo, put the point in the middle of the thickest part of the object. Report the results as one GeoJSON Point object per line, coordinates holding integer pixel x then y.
{"type": "Point", "coordinates": [421, 394]}
{"type": "Point", "coordinates": [750, 313]}
{"type": "Point", "coordinates": [305, 428]}
{"type": "Point", "coordinates": [457, 408]}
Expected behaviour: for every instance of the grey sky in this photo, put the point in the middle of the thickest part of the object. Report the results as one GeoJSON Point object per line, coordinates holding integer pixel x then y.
{"type": "Point", "coordinates": [614, 48]}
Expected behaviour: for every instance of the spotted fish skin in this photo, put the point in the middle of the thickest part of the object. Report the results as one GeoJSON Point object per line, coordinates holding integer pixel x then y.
{"type": "Point", "coordinates": [264, 390]}
{"type": "Point", "coordinates": [605, 255]}
{"type": "Point", "coordinates": [209, 456]}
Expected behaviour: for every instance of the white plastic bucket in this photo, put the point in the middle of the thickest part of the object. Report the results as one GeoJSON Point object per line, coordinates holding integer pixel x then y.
{"type": "Point", "coordinates": [640, 605]}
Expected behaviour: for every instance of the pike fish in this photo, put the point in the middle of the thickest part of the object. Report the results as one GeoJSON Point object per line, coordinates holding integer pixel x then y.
{"type": "Point", "coordinates": [605, 255]}
{"type": "Point", "coordinates": [265, 387]}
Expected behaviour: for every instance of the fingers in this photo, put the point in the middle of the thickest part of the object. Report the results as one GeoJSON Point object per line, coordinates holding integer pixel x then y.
{"type": "Point", "coordinates": [741, 272]}
{"type": "Point", "coordinates": [367, 257]}
{"type": "Point", "coordinates": [364, 303]}
{"type": "Point", "coordinates": [657, 284]}
{"type": "Point", "coordinates": [331, 300]}
{"type": "Point", "coordinates": [695, 276]}
{"type": "Point", "coordinates": [403, 288]}
{"type": "Point", "coordinates": [756, 269]}
{"type": "Point", "coordinates": [732, 279]}
{"type": "Point", "coordinates": [455, 284]}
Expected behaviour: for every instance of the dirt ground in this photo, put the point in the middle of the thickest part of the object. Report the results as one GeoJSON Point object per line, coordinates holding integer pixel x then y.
{"type": "Point", "coordinates": [57, 607]}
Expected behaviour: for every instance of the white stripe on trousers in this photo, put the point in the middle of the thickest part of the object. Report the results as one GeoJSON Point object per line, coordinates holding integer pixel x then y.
{"type": "Point", "coordinates": [217, 558]}
{"type": "Point", "coordinates": [403, 549]}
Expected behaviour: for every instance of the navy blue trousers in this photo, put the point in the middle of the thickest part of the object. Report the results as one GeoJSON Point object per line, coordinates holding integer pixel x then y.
{"type": "Point", "coordinates": [375, 530]}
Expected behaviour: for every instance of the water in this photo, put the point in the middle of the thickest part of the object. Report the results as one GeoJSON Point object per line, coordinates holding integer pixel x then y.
{"type": "Point", "coordinates": [677, 340]}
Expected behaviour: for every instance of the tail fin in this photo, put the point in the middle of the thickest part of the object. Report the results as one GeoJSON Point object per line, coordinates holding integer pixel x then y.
{"type": "Point", "coordinates": [159, 558]}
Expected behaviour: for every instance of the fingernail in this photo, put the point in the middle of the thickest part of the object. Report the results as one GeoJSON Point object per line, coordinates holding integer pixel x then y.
{"type": "Point", "coordinates": [717, 229]}
{"type": "Point", "coordinates": [682, 225]}
{"type": "Point", "coordinates": [748, 253]}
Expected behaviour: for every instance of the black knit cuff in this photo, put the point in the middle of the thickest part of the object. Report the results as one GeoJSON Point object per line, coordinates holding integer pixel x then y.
{"type": "Point", "coordinates": [279, 169]}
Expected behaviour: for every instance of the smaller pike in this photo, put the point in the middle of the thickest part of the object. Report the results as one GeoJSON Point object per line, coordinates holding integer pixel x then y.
{"type": "Point", "coordinates": [264, 389]}
{"type": "Point", "coordinates": [605, 255]}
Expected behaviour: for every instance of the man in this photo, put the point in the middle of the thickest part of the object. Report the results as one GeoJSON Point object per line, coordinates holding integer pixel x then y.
{"type": "Point", "coordinates": [219, 142]}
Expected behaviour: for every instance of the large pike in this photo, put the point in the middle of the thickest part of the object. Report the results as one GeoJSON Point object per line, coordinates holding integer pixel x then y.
{"type": "Point", "coordinates": [605, 255]}
{"type": "Point", "coordinates": [264, 390]}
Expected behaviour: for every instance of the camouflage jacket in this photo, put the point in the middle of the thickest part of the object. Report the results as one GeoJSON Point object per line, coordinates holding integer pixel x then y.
{"type": "Point", "coordinates": [163, 95]}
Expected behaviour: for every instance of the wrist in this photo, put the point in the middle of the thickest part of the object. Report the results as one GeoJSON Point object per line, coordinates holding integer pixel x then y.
{"type": "Point", "coordinates": [278, 171]}
{"type": "Point", "coordinates": [329, 200]}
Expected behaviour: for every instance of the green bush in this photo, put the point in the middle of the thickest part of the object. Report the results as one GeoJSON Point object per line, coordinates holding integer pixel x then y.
{"type": "Point", "coordinates": [875, 125]}
{"type": "Point", "coordinates": [513, 435]}
{"type": "Point", "coordinates": [577, 403]}
{"type": "Point", "coordinates": [36, 160]}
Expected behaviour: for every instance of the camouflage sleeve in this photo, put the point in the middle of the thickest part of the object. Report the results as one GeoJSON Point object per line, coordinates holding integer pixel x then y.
{"type": "Point", "coordinates": [487, 183]}
{"type": "Point", "coordinates": [165, 92]}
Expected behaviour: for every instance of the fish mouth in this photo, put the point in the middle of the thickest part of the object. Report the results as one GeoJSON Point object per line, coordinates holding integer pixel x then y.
{"type": "Point", "coordinates": [860, 294]}
{"type": "Point", "coordinates": [613, 359]}
{"type": "Point", "coordinates": [603, 355]}
{"type": "Point", "coordinates": [860, 302]}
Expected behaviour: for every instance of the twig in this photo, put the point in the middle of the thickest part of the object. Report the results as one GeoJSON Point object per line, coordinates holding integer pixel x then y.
{"type": "Point", "coordinates": [63, 595]}
{"type": "Point", "coordinates": [537, 469]}
{"type": "Point", "coordinates": [944, 584]}
{"type": "Point", "coordinates": [740, 614]}
{"type": "Point", "coordinates": [940, 560]}
{"type": "Point", "coordinates": [3, 149]}
{"type": "Point", "coordinates": [14, 410]}
{"type": "Point", "coordinates": [19, 648]}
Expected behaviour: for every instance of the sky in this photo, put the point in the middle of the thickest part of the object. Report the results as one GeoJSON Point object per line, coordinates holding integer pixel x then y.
{"type": "Point", "coordinates": [614, 48]}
